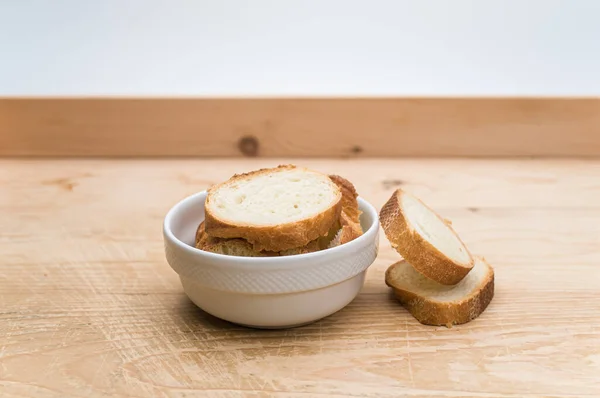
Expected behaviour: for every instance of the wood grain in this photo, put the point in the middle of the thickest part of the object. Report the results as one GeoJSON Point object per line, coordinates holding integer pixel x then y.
{"type": "Point", "coordinates": [89, 307]}
{"type": "Point", "coordinates": [310, 127]}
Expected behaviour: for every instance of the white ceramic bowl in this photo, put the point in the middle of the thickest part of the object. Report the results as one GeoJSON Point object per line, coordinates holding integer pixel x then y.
{"type": "Point", "coordinates": [267, 292]}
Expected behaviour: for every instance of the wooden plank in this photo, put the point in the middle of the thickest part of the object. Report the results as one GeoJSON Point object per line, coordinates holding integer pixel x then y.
{"type": "Point", "coordinates": [308, 127]}
{"type": "Point", "coordinates": [89, 307]}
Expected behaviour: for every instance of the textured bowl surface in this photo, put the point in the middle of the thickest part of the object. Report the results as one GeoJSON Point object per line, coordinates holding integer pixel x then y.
{"type": "Point", "coordinates": [275, 310]}
{"type": "Point", "coordinates": [267, 291]}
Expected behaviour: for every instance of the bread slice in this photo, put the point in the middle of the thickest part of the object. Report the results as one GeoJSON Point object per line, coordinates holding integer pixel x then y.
{"type": "Point", "coordinates": [350, 215]}
{"type": "Point", "coordinates": [346, 229]}
{"type": "Point", "coordinates": [432, 303]}
{"type": "Point", "coordinates": [274, 209]}
{"type": "Point", "coordinates": [243, 248]}
{"type": "Point", "coordinates": [230, 247]}
{"type": "Point", "coordinates": [426, 240]}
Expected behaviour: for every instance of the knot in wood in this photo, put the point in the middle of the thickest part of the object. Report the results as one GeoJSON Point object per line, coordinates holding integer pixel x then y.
{"type": "Point", "coordinates": [248, 145]}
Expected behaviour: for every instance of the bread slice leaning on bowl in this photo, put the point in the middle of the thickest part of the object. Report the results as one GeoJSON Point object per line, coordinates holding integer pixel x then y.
{"type": "Point", "coordinates": [424, 239]}
{"type": "Point", "coordinates": [432, 303]}
{"type": "Point", "coordinates": [274, 209]}
{"type": "Point", "coordinates": [349, 221]}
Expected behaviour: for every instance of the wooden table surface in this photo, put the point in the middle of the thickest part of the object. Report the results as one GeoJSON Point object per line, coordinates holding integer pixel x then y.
{"type": "Point", "coordinates": [89, 307]}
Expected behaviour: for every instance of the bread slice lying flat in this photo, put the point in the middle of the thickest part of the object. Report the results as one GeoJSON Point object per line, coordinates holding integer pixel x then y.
{"type": "Point", "coordinates": [274, 209]}
{"type": "Point", "coordinates": [347, 228]}
{"type": "Point", "coordinates": [425, 239]}
{"type": "Point", "coordinates": [432, 303]}
{"type": "Point", "coordinates": [243, 248]}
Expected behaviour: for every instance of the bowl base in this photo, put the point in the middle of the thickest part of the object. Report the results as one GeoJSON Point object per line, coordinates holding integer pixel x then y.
{"type": "Point", "coordinates": [275, 311]}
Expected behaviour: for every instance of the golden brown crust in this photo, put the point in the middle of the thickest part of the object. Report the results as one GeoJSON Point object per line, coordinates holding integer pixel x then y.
{"type": "Point", "coordinates": [343, 235]}
{"type": "Point", "coordinates": [421, 254]}
{"type": "Point", "coordinates": [200, 235]}
{"type": "Point", "coordinates": [349, 195]}
{"type": "Point", "coordinates": [431, 312]}
{"type": "Point", "coordinates": [241, 247]}
{"type": "Point", "coordinates": [280, 237]}
{"type": "Point", "coordinates": [350, 215]}
{"type": "Point", "coordinates": [273, 237]}
{"type": "Point", "coordinates": [312, 246]}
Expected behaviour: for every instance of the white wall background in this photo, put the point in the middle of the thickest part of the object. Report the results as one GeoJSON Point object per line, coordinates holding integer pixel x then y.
{"type": "Point", "coordinates": [299, 48]}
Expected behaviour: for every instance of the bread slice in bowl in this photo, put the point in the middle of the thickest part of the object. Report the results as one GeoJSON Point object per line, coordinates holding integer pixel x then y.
{"type": "Point", "coordinates": [432, 303]}
{"type": "Point", "coordinates": [274, 209]}
{"type": "Point", "coordinates": [349, 221]}
{"type": "Point", "coordinates": [346, 229]}
{"type": "Point", "coordinates": [424, 239]}
{"type": "Point", "coordinates": [243, 248]}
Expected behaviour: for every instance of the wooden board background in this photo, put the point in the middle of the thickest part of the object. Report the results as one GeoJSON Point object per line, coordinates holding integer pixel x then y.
{"type": "Point", "coordinates": [90, 308]}
{"type": "Point", "coordinates": [309, 127]}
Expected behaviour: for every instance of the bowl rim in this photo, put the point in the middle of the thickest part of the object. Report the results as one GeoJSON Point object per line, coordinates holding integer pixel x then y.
{"type": "Point", "coordinates": [225, 259]}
